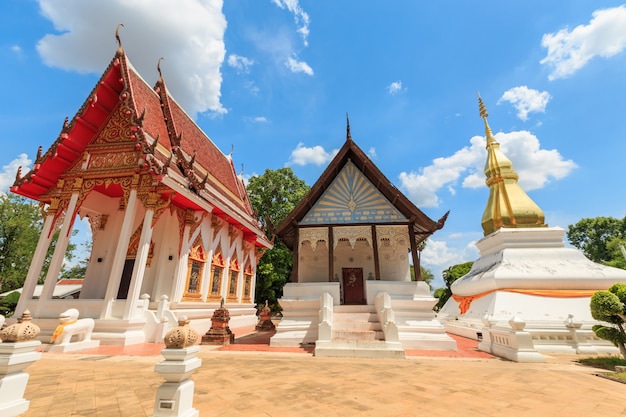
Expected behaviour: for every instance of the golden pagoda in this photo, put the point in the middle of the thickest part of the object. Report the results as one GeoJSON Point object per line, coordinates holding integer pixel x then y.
{"type": "Point", "coordinates": [508, 204]}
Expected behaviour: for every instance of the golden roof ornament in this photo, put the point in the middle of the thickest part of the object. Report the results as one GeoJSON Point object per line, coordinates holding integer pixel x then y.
{"type": "Point", "coordinates": [508, 204]}
{"type": "Point", "coordinates": [22, 331]}
{"type": "Point", "coordinates": [120, 49]}
{"type": "Point", "coordinates": [181, 336]}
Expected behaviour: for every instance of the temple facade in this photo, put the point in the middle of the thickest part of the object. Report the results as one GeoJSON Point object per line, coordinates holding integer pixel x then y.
{"type": "Point", "coordinates": [353, 238]}
{"type": "Point", "coordinates": [527, 294]}
{"type": "Point", "coordinates": [173, 230]}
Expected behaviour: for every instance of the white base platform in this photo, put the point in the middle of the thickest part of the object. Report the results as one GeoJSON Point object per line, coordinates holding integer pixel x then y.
{"type": "Point", "coordinates": [73, 346]}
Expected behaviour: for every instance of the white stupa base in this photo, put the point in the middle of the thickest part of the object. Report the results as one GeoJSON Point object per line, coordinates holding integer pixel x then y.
{"type": "Point", "coordinates": [555, 283]}
{"type": "Point", "coordinates": [14, 358]}
{"type": "Point", "coordinates": [73, 346]}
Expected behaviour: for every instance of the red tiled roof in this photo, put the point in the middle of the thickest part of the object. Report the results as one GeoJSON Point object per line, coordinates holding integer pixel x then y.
{"type": "Point", "coordinates": [150, 112]}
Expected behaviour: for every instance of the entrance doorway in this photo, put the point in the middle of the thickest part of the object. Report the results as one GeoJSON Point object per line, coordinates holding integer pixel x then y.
{"type": "Point", "coordinates": [127, 274]}
{"type": "Point", "coordinates": [353, 287]}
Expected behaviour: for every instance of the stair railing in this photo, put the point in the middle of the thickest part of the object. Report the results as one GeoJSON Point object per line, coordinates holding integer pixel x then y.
{"type": "Point", "coordinates": [386, 317]}
{"type": "Point", "coordinates": [324, 328]}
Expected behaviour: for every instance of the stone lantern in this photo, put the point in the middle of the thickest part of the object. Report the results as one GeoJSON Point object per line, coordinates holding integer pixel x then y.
{"type": "Point", "coordinates": [174, 398]}
{"type": "Point", "coordinates": [17, 352]}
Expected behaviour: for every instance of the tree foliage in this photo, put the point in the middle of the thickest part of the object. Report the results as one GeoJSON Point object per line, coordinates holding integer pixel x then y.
{"type": "Point", "coordinates": [427, 275]}
{"type": "Point", "coordinates": [610, 307]}
{"type": "Point", "coordinates": [450, 275]}
{"type": "Point", "coordinates": [599, 238]}
{"type": "Point", "coordinates": [20, 226]}
{"type": "Point", "coordinates": [273, 196]}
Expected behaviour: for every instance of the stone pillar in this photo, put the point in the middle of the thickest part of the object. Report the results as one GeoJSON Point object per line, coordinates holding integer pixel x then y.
{"type": "Point", "coordinates": [120, 254]}
{"type": "Point", "coordinates": [37, 262]}
{"type": "Point", "coordinates": [181, 267]}
{"type": "Point", "coordinates": [16, 353]}
{"type": "Point", "coordinates": [140, 262]}
{"type": "Point", "coordinates": [59, 253]}
{"type": "Point", "coordinates": [219, 333]}
{"type": "Point", "coordinates": [174, 398]}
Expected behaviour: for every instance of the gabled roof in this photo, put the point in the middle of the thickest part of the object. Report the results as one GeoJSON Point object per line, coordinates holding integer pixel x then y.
{"type": "Point", "coordinates": [166, 143]}
{"type": "Point", "coordinates": [422, 225]}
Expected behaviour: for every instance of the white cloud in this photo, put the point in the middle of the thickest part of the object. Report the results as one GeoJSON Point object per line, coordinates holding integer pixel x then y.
{"type": "Point", "coordinates": [240, 63]}
{"type": "Point", "coordinates": [7, 175]}
{"type": "Point", "coordinates": [189, 34]}
{"type": "Point", "coordinates": [535, 167]}
{"type": "Point", "coordinates": [422, 186]}
{"type": "Point", "coordinates": [395, 87]}
{"type": "Point", "coordinates": [260, 119]}
{"type": "Point", "coordinates": [526, 100]}
{"type": "Point", "coordinates": [372, 153]}
{"type": "Point", "coordinates": [315, 155]}
{"type": "Point", "coordinates": [438, 256]}
{"type": "Point", "coordinates": [437, 253]}
{"type": "Point", "coordinates": [17, 50]}
{"type": "Point", "coordinates": [298, 66]}
{"type": "Point", "coordinates": [569, 51]}
{"type": "Point", "coordinates": [300, 16]}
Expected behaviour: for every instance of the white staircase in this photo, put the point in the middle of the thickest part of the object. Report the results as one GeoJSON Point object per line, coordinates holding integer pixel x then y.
{"type": "Point", "coordinates": [357, 332]}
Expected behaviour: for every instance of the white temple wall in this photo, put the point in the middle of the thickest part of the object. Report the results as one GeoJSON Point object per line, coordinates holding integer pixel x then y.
{"type": "Point", "coordinates": [103, 244]}
{"type": "Point", "coordinates": [159, 276]}
{"type": "Point", "coordinates": [394, 263]}
{"type": "Point", "coordinates": [361, 256]}
{"type": "Point", "coordinates": [313, 264]}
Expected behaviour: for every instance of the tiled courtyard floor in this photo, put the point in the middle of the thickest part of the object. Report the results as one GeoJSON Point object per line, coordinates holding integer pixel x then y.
{"type": "Point", "coordinates": [112, 382]}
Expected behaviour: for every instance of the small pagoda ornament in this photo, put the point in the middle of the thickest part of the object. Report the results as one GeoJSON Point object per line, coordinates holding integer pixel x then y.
{"type": "Point", "coordinates": [181, 336]}
{"type": "Point", "coordinates": [219, 333]}
{"type": "Point", "coordinates": [265, 323]}
{"type": "Point", "coordinates": [22, 331]}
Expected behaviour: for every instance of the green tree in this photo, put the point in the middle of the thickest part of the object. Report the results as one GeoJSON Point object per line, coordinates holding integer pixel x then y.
{"type": "Point", "coordinates": [273, 196]}
{"type": "Point", "coordinates": [8, 303]}
{"type": "Point", "coordinates": [427, 275]}
{"type": "Point", "coordinates": [450, 275]}
{"type": "Point", "coordinates": [20, 226]}
{"type": "Point", "coordinates": [599, 238]}
{"type": "Point", "coordinates": [610, 307]}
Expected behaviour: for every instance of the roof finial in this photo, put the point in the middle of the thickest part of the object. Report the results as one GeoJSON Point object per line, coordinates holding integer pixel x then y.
{"type": "Point", "coordinates": [483, 115]}
{"type": "Point", "coordinates": [159, 69]}
{"type": "Point", "coordinates": [120, 50]}
{"type": "Point", "coordinates": [508, 205]}
{"type": "Point", "coordinates": [348, 135]}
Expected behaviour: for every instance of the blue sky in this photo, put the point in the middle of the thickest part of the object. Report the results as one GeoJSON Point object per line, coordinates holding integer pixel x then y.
{"type": "Point", "coordinates": [273, 81]}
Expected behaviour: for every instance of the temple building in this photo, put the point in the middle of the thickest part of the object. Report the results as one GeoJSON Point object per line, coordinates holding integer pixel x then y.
{"type": "Point", "coordinates": [173, 230]}
{"type": "Point", "coordinates": [527, 294]}
{"type": "Point", "coordinates": [353, 238]}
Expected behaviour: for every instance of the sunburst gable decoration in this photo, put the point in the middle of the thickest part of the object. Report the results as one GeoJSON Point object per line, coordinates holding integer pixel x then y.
{"type": "Point", "coordinates": [352, 198]}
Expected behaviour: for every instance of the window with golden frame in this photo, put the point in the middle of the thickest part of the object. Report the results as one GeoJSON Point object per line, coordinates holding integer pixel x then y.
{"type": "Point", "coordinates": [247, 283]}
{"type": "Point", "coordinates": [195, 270]}
{"type": "Point", "coordinates": [217, 267]}
{"type": "Point", "coordinates": [233, 280]}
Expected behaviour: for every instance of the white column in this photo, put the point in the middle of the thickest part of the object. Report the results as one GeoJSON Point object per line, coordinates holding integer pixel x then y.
{"type": "Point", "coordinates": [180, 274]}
{"type": "Point", "coordinates": [59, 254]}
{"type": "Point", "coordinates": [225, 279]}
{"type": "Point", "coordinates": [119, 258]}
{"type": "Point", "coordinates": [253, 262]}
{"type": "Point", "coordinates": [36, 264]}
{"type": "Point", "coordinates": [140, 265]}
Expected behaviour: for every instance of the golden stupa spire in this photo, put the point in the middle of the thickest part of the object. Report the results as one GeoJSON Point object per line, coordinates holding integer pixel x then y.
{"type": "Point", "coordinates": [508, 204]}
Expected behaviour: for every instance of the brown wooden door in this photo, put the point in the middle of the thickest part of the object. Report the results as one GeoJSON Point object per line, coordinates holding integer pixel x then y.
{"type": "Point", "coordinates": [353, 287]}
{"type": "Point", "coordinates": [127, 274]}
